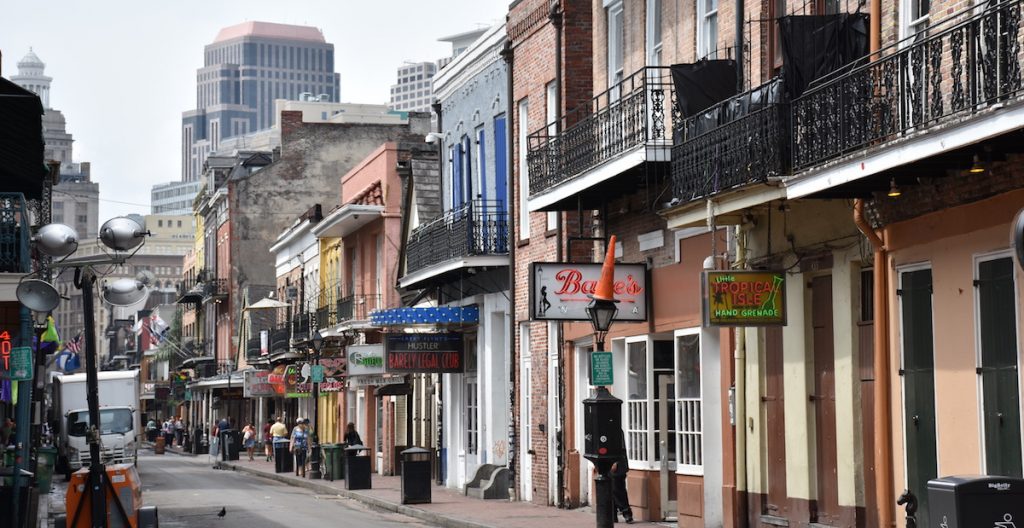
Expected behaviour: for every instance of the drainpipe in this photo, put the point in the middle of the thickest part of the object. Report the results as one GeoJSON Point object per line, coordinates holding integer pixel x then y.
{"type": "Point", "coordinates": [556, 17]}
{"type": "Point", "coordinates": [740, 370]}
{"type": "Point", "coordinates": [507, 55]}
{"type": "Point", "coordinates": [739, 45]}
{"type": "Point", "coordinates": [883, 421]}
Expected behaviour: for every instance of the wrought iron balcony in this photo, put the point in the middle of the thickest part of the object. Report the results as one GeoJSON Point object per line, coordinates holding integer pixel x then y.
{"type": "Point", "coordinates": [476, 228]}
{"type": "Point", "coordinates": [215, 289]}
{"type": "Point", "coordinates": [301, 325]}
{"type": "Point", "coordinates": [960, 66]}
{"type": "Point", "coordinates": [357, 307]}
{"type": "Point", "coordinates": [739, 141]}
{"type": "Point", "coordinates": [639, 110]}
{"type": "Point", "coordinates": [14, 234]}
{"type": "Point", "coordinates": [326, 316]}
{"type": "Point", "coordinates": [277, 341]}
{"type": "Point", "coordinates": [190, 291]}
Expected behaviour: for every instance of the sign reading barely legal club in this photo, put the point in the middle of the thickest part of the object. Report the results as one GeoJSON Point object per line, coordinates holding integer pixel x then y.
{"type": "Point", "coordinates": [558, 290]}
{"type": "Point", "coordinates": [744, 298]}
{"type": "Point", "coordinates": [424, 353]}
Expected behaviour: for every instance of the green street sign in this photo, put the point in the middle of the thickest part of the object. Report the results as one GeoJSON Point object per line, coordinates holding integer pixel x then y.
{"type": "Point", "coordinates": [16, 364]}
{"type": "Point", "coordinates": [601, 368]}
{"type": "Point", "coordinates": [317, 373]}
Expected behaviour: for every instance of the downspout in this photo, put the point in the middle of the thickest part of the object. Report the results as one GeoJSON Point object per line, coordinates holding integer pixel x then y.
{"type": "Point", "coordinates": [739, 45]}
{"type": "Point", "coordinates": [883, 421]}
{"type": "Point", "coordinates": [740, 372]}
{"type": "Point", "coordinates": [556, 17]}
{"type": "Point", "coordinates": [507, 55]}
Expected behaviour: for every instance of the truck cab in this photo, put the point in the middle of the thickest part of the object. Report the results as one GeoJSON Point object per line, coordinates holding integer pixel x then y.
{"type": "Point", "coordinates": [118, 436]}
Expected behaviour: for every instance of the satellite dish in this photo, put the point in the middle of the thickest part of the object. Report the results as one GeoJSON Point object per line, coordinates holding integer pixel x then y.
{"type": "Point", "coordinates": [146, 277]}
{"type": "Point", "coordinates": [122, 233]}
{"type": "Point", "coordinates": [56, 240]}
{"type": "Point", "coordinates": [38, 295]}
{"type": "Point", "coordinates": [124, 292]}
{"type": "Point", "coordinates": [1018, 237]}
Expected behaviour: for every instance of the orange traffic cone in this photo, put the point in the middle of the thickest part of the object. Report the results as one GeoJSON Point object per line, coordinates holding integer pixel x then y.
{"type": "Point", "coordinates": [605, 290]}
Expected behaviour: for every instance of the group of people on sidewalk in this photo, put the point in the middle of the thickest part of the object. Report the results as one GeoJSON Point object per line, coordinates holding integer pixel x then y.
{"type": "Point", "coordinates": [172, 429]}
{"type": "Point", "coordinates": [300, 439]}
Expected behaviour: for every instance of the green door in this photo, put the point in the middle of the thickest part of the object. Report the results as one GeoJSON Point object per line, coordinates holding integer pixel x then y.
{"type": "Point", "coordinates": [918, 384]}
{"type": "Point", "coordinates": [997, 315]}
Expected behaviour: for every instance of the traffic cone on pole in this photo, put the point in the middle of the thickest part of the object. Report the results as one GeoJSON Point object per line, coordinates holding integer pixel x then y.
{"type": "Point", "coordinates": [605, 290]}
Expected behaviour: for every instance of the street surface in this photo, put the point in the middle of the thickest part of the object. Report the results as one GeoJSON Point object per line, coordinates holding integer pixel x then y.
{"type": "Point", "coordinates": [189, 493]}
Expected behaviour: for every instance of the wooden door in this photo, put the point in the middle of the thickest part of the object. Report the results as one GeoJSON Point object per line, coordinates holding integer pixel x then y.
{"type": "Point", "coordinates": [775, 417]}
{"type": "Point", "coordinates": [826, 509]}
{"type": "Point", "coordinates": [918, 384]}
{"type": "Point", "coordinates": [997, 316]}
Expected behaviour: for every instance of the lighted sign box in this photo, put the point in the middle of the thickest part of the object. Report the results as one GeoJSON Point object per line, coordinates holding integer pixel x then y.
{"type": "Point", "coordinates": [365, 360]}
{"type": "Point", "coordinates": [424, 353]}
{"type": "Point", "coordinates": [559, 291]}
{"type": "Point", "coordinates": [744, 298]}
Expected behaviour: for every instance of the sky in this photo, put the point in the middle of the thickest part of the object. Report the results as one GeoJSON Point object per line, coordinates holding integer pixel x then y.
{"type": "Point", "coordinates": [124, 71]}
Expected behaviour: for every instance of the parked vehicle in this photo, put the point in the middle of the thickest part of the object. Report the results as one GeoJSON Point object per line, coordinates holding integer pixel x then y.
{"type": "Point", "coordinates": [120, 424]}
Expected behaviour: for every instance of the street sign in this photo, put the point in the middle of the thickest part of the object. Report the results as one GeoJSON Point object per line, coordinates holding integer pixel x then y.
{"type": "Point", "coordinates": [317, 374]}
{"type": "Point", "coordinates": [16, 364]}
{"type": "Point", "coordinates": [601, 369]}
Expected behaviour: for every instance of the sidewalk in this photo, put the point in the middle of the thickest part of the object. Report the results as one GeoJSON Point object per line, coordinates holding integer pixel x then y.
{"type": "Point", "coordinates": [449, 508]}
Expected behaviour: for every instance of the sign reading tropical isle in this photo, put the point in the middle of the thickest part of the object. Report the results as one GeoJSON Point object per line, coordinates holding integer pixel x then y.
{"type": "Point", "coordinates": [744, 298]}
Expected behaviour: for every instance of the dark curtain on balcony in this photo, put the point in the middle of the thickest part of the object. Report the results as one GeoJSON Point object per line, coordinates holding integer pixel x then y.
{"type": "Point", "coordinates": [703, 84]}
{"type": "Point", "coordinates": [814, 46]}
{"type": "Point", "coordinates": [22, 167]}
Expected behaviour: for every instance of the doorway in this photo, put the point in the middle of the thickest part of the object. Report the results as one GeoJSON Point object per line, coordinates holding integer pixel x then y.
{"type": "Point", "coordinates": [826, 507]}
{"type": "Point", "coordinates": [665, 424]}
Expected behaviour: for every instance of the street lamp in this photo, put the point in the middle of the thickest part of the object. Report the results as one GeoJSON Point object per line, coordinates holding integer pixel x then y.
{"type": "Point", "coordinates": [314, 459]}
{"type": "Point", "coordinates": [121, 235]}
{"type": "Point", "coordinates": [603, 415]}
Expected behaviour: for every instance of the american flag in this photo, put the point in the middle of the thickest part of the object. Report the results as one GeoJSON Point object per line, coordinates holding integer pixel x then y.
{"type": "Point", "coordinates": [75, 345]}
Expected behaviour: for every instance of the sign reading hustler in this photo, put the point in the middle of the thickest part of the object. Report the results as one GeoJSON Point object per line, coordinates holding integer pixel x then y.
{"type": "Point", "coordinates": [744, 298]}
{"type": "Point", "coordinates": [559, 291]}
{"type": "Point", "coordinates": [424, 353]}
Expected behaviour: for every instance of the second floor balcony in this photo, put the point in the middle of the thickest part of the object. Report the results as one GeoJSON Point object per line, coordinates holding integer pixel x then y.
{"type": "Point", "coordinates": [215, 290]}
{"type": "Point", "coordinates": [628, 125]}
{"type": "Point", "coordinates": [276, 342]}
{"type": "Point", "coordinates": [355, 308]}
{"type": "Point", "coordinates": [14, 234]}
{"type": "Point", "coordinates": [472, 235]}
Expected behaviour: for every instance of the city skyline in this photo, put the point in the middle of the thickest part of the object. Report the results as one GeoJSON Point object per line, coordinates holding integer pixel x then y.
{"type": "Point", "coordinates": [143, 147]}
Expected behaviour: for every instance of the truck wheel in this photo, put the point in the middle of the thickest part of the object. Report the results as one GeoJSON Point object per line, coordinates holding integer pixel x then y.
{"type": "Point", "coordinates": [148, 517]}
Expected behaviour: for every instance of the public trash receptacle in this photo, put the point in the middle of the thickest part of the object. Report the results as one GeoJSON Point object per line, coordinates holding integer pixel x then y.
{"type": "Point", "coordinates": [230, 444]}
{"type": "Point", "coordinates": [197, 441]}
{"type": "Point", "coordinates": [25, 493]}
{"type": "Point", "coordinates": [283, 461]}
{"type": "Point", "coordinates": [416, 465]}
{"type": "Point", "coordinates": [46, 458]}
{"type": "Point", "coordinates": [357, 468]}
{"type": "Point", "coordinates": [159, 445]}
{"type": "Point", "coordinates": [977, 500]}
{"type": "Point", "coordinates": [334, 461]}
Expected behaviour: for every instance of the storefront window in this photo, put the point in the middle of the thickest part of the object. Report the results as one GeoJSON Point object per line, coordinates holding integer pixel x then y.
{"type": "Point", "coordinates": [638, 420]}
{"type": "Point", "coordinates": [689, 404]}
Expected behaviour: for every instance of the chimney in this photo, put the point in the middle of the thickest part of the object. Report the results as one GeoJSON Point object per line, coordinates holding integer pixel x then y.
{"type": "Point", "coordinates": [291, 120]}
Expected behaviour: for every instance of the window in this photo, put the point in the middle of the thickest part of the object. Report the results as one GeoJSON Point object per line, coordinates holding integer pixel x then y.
{"type": "Point", "coordinates": [472, 418]}
{"type": "Point", "coordinates": [917, 16]}
{"type": "Point", "coordinates": [616, 45]}
{"type": "Point", "coordinates": [707, 29]}
{"type": "Point", "coordinates": [524, 176]}
{"type": "Point", "coordinates": [637, 444]}
{"type": "Point", "coordinates": [82, 219]}
{"type": "Point", "coordinates": [690, 452]}
{"type": "Point", "coordinates": [654, 32]}
{"type": "Point", "coordinates": [159, 223]}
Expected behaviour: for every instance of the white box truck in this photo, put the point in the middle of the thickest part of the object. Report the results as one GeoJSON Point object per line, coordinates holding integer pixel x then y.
{"type": "Point", "coordinates": [120, 424]}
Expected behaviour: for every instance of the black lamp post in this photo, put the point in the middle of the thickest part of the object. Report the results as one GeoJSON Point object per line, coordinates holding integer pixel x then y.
{"type": "Point", "coordinates": [601, 312]}
{"type": "Point", "coordinates": [314, 444]}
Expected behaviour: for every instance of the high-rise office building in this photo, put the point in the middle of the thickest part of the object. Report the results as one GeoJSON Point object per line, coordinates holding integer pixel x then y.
{"type": "Point", "coordinates": [412, 92]}
{"type": "Point", "coordinates": [245, 69]}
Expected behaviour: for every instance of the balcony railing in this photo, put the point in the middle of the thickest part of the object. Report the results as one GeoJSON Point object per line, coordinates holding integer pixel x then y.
{"type": "Point", "coordinates": [301, 324]}
{"type": "Point", "coordinates": [277, 341]}
{"type": "Point", "coordinates": [741, 140]}
{"type": "Point", "coordinates": [477, 228]}
{"type": "Point", "coordinates": [639, 110]}
{"type": "Point", "coordinates": [357, 307]}
{"type": "Point", "coordinates": [961, 66]}
{"type": "Point", "coordinates": [327, 316]}
{"type": "Point", "coordinates": [215, 288]}
{"type": "Point", "coordinates": [14, 234]}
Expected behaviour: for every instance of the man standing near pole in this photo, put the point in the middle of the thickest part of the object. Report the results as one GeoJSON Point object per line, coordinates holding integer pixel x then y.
{"type": "Point", "coordinates": [618, 473]}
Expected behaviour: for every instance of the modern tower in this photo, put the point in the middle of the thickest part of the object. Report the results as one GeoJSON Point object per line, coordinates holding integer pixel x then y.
{"type": "Point", "coordinates": [245, 69]}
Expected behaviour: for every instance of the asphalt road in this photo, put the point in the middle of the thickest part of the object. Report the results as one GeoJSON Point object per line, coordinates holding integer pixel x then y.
{"type": "Point", "coordinates": [189, 493]}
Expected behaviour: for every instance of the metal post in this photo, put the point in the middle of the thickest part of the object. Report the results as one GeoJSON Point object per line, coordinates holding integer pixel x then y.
{"type": "Point", "coordinates": [314, 438]}
{"type": "Point", "coordinates": [97, 473]}
{"type": "Point", "coordinates": [605, 503]}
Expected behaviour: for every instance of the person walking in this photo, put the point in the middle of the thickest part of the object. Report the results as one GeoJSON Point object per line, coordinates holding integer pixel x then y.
{"type": "Point", "coordinates": [278, 434]}
{"type": "Point", "coordinates": [351, 436]}
{"type": "Point", "coordinates": [298, 446]}
{"type": "Point", "coordinates": [249, 439]}
{"type": "Point", "coordinates": [618, 474]}
{"type": "Point", "coordinates": [268, 440]}
{"type": "Point", "coordinates": [168, 431]}
{"type": "Point", "coordinates": [179, 431]}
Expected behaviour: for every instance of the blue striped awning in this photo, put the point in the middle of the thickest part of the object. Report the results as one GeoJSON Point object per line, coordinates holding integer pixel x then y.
{"type": "Point", "coordinates": [426, 316]}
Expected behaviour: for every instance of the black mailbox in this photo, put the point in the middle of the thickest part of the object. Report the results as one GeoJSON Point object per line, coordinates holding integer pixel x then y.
{"type": "Point", "coordinates": [602, 427]}
{"type": "Point", "coordinates": [974, 501]}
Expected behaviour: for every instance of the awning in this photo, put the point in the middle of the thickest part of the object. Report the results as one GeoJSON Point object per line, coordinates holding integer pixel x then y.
{"type": "Point", "coordinates": [346, 219]}
{"type": "Point", "coordinates": [426, 316]}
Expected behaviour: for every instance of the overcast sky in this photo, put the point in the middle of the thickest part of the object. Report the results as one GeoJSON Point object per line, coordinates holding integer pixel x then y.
{"type": "Point", "coordinates": [123, 71]}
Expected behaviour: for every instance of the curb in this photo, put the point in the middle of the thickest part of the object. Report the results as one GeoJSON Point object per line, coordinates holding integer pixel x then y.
{"type": "Point", "coordinates": [409, 511]}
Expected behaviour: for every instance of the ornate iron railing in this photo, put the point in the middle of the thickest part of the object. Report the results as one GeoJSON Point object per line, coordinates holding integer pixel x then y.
{"type": "Point", "coordinates": [640, 109]}
{"type": "Point", "coordinates": [357, 307]}
{"type": "Point", "coordinates": [215, 288]}
{"type": "Point", "coordinates": [733, 143]}
{"type": "Point", "coordinates": [479, 227]}
{"type": "Point", "coordinates": [14, 234]}
{"type": "Point", "coordinates": [326, 316]}
{"type": "Point", "coordinates": [962, 65]}
{"type": "Point", "coordinates": [301, 324]}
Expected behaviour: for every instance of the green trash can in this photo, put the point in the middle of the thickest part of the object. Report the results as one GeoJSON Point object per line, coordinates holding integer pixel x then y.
{"type": "Point", "coordinates": [335, 461]}
{"type": "Point", "coordinates": [46, 458]}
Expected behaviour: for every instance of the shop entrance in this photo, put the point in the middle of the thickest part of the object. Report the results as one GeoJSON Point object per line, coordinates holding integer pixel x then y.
{"type": "Point", "coordinates": [665, 425]}
{"type": "Point", "coordinates": [824, 401]}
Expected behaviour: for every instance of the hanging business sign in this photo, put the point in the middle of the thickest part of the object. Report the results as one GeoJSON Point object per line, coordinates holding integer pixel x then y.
{"type": "Point", "coordinates": [559, 291]}
{"type": "Point", "coordinates": [257, 384]}
{"type": "Point", "coordinates": [334, 373]}
{"type": "Point", "coordinates": [288, 381]}
{"type": "Point", "coordinates": [424, 353]}
{"type": "Point", "coordinates": [744, 298]}
{"type": "Point", "coordinates": [365, 360]}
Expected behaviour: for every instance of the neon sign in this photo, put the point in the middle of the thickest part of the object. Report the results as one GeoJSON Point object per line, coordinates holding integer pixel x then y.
{"type": "Point", "coordinates": [744, 298]}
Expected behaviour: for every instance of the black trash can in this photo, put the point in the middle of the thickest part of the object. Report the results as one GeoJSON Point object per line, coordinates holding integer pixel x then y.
{"type": "Point", "coordinates": [25, 497]}
{"type": "Point", "coordinates": [283, 461]}
{"type": "Point", "coordinates": [416, 466]}
{"type": "Point", "coordinates": [230, 444]}
{"type": "Point", "coordinates": [977, 500]}
{"type": "Point", "coordinates": [197, 440]}
{"type": "Point", "coordinates": [357, 468]}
